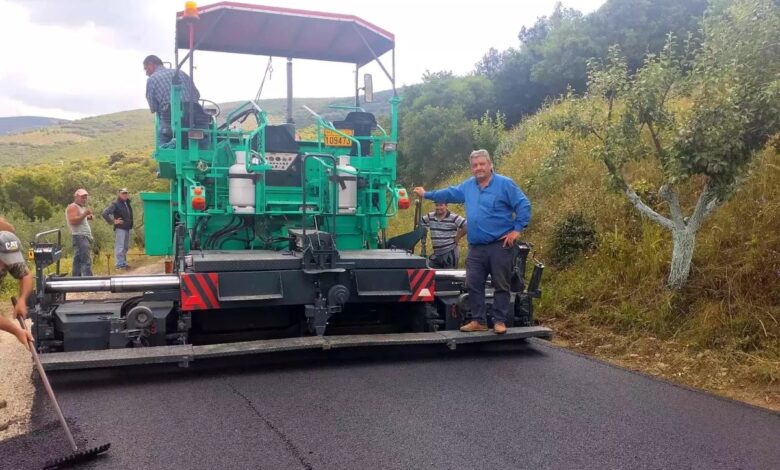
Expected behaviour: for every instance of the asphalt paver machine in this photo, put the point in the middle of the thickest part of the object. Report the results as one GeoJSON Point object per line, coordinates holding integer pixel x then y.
{"type": "Point", "coordinates": [277, 241]}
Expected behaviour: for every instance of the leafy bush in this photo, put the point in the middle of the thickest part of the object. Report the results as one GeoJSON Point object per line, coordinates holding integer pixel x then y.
{"type": "Point", "coordinates": [572, 236]}
{"type": "Point", "coordinates": [488, 132]}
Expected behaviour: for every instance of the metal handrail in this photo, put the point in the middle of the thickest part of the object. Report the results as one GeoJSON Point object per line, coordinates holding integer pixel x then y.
{"type": "Point", "coordinates": [334, 191]}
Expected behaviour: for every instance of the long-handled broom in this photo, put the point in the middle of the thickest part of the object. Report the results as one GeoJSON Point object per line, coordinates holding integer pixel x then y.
{"type": "Point", "coordinates": [78, 455]}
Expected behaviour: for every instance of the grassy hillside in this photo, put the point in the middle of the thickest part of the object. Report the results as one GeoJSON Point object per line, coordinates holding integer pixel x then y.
{"type": "Point", "coordinates": [128, 131]}
{"type": "Point", "coordinates": [612, 300]}
{"type": "Point", "coordinates": [133, 131]}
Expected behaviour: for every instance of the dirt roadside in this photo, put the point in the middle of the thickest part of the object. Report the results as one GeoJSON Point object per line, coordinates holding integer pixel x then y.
{"type": "Point", "coordinates": [16, 368]}
{"type": "Point", "coordinates": [747, 378]}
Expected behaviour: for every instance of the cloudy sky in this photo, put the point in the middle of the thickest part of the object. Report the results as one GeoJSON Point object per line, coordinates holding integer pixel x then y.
{"type": "Point", "coordinates": [76, 58]}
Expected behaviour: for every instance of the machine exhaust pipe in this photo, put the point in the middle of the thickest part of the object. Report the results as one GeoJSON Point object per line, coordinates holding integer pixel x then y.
{"type": "Point", "coordinates": [112, 284]}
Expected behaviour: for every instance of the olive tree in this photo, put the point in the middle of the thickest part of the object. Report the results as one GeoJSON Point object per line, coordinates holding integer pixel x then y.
{"type": "Point", "coordinates": [702, 113]}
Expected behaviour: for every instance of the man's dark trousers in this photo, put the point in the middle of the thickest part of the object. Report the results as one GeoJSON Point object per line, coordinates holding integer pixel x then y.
{"type": "Point", "coordinates": [496, 260]}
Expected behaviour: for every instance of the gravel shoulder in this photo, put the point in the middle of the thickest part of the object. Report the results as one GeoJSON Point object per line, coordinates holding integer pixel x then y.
{"type": "Point", "coordinates": [17, 386]}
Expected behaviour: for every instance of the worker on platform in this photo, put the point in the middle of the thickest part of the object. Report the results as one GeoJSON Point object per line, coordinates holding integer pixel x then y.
{"type": "Point", "coordinates": [497, 211]}
{"type": "Point", "coordinates": [446, 229]}
{"type": "Point", "coordinates": [158, 95]}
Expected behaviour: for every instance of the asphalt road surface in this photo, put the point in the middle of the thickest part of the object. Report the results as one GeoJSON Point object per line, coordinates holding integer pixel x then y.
{"type": "Point", "coordinates": [484, 406]}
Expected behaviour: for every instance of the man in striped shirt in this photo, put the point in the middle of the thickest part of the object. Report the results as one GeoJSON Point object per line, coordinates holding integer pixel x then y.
{"type": "Point", "coordinates": [446, 231]}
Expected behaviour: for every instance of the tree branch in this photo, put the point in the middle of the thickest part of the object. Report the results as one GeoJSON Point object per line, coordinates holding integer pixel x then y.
{"type": "Point", "coordinates": [708, 201]}
{"type": "Point", "coordinates": [635, 199]}
{"type": "Point", "coordinates": [646, 210]}
{"type": "Point", "coordinates": [656, 142]}
{"type": "Point", "coordinates": [598, 136]}
{"type": "Point", "coordinates": [667, 193]}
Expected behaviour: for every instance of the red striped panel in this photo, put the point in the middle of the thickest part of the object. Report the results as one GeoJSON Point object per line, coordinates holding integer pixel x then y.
{"type": "Point", "coordinates": [199, 291]}
{"type": "Point", "coordinates": [420, 279]}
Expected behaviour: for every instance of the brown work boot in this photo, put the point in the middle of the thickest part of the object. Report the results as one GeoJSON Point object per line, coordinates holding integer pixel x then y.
{"type": "Point", "coordinates": [472, 326]}
{"type": "Point", "coordinates": [499, 328]}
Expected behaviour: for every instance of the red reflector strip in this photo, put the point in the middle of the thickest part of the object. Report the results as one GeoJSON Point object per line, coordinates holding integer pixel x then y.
{"type": "Point", "coordinates": [421, 283]}
{"type": "Point", "coordinates": [199, 291]}
{"type": "Point", "coordinates": [424, 291]}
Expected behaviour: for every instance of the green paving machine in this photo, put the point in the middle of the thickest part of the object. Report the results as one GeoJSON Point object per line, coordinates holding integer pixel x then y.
{"type": "Point", "coordinates": [276, 241]}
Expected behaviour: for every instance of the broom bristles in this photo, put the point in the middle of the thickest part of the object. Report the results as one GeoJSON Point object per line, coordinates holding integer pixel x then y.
{"type": "Point", "coordinates": [76, 457]}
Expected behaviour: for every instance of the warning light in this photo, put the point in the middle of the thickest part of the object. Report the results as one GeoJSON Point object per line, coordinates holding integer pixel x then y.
{"type": "Point", "coordinates": [198, 190]}
{"type": "Point", "coordinates": [199, 203]}
{"type": "Point", "coordinates": [190, 10]}
{"type": "Point", "coordinates": [403, 198]}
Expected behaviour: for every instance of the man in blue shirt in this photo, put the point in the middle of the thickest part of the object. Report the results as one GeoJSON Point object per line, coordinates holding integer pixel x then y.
{"type": "Point", "coordinates": [497, 211]}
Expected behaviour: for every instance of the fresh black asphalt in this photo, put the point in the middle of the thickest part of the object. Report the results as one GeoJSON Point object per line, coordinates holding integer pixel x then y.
{"type": "Point", "coordinates": [485, 406]}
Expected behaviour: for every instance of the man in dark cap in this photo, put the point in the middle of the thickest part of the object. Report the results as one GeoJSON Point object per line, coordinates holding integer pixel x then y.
{"type": "Point", "coordinates": [120, 215]}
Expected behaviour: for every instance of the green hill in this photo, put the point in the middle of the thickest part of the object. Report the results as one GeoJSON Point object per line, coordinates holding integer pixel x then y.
{"type": "Point", "coordinates": [12, 124]}
{"type": "Point", "coordinates": [132, 132]}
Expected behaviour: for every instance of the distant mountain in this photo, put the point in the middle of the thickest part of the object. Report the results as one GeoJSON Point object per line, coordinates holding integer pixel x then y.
{"type": "Point", "coordinates": [132, 132]}
{"type": "Point", "coordinates": [9, 125]}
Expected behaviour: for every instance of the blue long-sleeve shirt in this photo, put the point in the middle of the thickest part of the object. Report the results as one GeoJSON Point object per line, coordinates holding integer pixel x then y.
{"type": "Point", "coordinates": [492, 211]}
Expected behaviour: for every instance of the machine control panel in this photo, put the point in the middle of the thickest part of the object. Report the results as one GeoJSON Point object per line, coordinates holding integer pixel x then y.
{"type": "Point", "coordinates": [280, 161]}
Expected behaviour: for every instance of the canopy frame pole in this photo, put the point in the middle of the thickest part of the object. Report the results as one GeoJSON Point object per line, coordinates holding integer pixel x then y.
{"type": "Point", "coordinates": [371, 50]}
{"type": "Point", "coordinates": [393, 59]}
{"type": "Point", "coordinates": [289, 119]}
{"type": "Point", "coordinates": [357, 86]}
{"type": "Point", "coordinates": [198, 42]}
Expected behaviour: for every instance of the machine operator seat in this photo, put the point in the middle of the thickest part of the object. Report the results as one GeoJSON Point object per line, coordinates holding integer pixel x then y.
{"type": "Point", "coordinates": [361, 123]}
{"type": "Point", "coordinates": [283, 153]}
{"type": "Point", "coordinates": [280, 139]}
{"type": "Point", "coordinates": [201, 120]}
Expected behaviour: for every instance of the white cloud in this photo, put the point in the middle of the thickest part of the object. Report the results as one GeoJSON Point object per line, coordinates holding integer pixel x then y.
{"type": "Point", "coordinates": [11, 107]}
{"type": "Point", "coordinates": [83, 57]}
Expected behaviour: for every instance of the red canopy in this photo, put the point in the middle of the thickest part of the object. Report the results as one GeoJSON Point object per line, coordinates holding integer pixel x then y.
{"type": "Point", "coordinates": [283, 32]}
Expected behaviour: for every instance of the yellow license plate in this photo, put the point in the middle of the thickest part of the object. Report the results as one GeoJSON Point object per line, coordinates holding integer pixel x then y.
{"type": "Point", "coordinates": [335, 140]}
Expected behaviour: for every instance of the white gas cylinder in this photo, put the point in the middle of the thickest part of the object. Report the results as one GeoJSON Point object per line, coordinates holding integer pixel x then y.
{"type": "Point", "coordinates": [241, 186]}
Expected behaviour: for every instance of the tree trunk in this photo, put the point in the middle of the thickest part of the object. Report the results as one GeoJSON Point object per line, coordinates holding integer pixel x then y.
{"type": "Point", "coordinates": [683, 242]}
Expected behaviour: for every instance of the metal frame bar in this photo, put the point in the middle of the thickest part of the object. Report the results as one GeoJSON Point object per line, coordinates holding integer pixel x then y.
{"type": "Point", "coordinates": [202, 38]}
{"type": "Point", "coordinates": [376, 58]}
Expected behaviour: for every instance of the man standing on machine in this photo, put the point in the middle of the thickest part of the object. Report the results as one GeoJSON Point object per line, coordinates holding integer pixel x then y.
{"type": "Point", "coordinates": [497, 211]}
{"type": "Point", "coordinates": [446, 229]}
